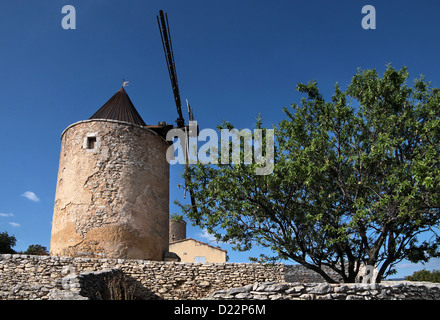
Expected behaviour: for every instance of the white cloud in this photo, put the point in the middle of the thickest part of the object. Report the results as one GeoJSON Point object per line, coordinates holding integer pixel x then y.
{"type": "Point", "coordinates": [6, 214]}
{"type": "Point", "coordinates": [31, 196]}
{"type": "Point", "coordinates": [207, 236]}
{"type": "Point", "coordinates": [15, 224]}
{"type": "Point", "coordinates": [406, 268]}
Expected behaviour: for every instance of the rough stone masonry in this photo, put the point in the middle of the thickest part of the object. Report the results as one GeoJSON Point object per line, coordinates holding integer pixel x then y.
{"type": "Point", "coordinates": [50, 277]}
{"type": "Point", "coordinates": [388, 290]}
{"type": "Point", "coordinates": [112, 196]}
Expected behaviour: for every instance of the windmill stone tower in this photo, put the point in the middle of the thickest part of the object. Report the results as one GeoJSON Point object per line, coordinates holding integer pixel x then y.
{"type": "Point", "coordinates": [177, 230]}
{"type": "Point", "coordinates": [112, 196]}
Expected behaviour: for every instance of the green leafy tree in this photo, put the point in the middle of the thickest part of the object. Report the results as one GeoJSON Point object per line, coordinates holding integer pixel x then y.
{"type": "Point", "coordinates": [7, 242]}
{"type": "Point", "coordinates": [37, 249]}
{"type": "Point", "coordinates": [176, 217]}
{"type": "Point", "coordinates": [425, 275]}
{"type": "Point", "coordinates": [356, 180]}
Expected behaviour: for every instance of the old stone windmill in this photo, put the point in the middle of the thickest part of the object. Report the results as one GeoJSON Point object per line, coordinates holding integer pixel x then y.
{"type": "Point", "coordinates": [112, 196]}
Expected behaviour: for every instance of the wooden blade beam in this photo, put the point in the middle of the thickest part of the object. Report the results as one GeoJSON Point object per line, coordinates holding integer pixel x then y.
{"type": "Point", "coordinates": [162, 21]}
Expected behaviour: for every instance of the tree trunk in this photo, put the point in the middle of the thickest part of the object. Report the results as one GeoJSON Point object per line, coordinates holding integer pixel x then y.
{"type": "Point", "coordinates": [382, 270]}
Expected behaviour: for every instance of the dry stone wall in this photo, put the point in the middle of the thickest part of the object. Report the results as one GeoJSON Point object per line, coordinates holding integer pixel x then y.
{"type": "Point", "coordinates": [50, 277]}
{"type": "Point", "coordinates": [325, 291]}
{"type": "Point", "coordinates": [299, 273]}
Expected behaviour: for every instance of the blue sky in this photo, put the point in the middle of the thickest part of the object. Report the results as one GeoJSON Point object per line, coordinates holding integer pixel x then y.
{"type": "Point", "coordinates": [234, 59]}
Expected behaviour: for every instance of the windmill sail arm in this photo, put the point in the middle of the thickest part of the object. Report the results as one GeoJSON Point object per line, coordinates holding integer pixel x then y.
{"type": "Point", "coordinates": [162, 22]}
{"type": "Point", "coordinates": [167, 47]}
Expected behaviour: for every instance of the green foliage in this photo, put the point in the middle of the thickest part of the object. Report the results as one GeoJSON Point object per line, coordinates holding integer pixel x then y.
{"type": "Point", "coordinates": [37, 249]}
{"type": "Point", "coordinates": [356, 179]}
{"type": "Point", "coordinates": [176, 217]}
{"type": "Point", "coordinates": [425, 275]}
{"type": "Point", "coordinates": [6, 243]}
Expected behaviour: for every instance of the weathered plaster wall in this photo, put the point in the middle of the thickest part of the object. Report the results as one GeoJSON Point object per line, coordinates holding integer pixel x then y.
{"type": "Point", "coordinates": [189, 249]}
{"type": "Point", "coordinates": [111, 201]}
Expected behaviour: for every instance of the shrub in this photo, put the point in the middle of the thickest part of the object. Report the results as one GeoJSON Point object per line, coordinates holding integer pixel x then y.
{"type": "Point", "coordinates": [425, 275]}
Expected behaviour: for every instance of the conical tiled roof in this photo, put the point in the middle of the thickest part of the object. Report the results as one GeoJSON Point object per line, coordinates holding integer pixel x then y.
{"type": "Point", "coordinates": [119, 107]}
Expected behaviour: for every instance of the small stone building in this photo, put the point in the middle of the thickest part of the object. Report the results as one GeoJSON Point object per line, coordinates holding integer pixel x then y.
{"type": "Point", "coordinates": [191, 250]}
